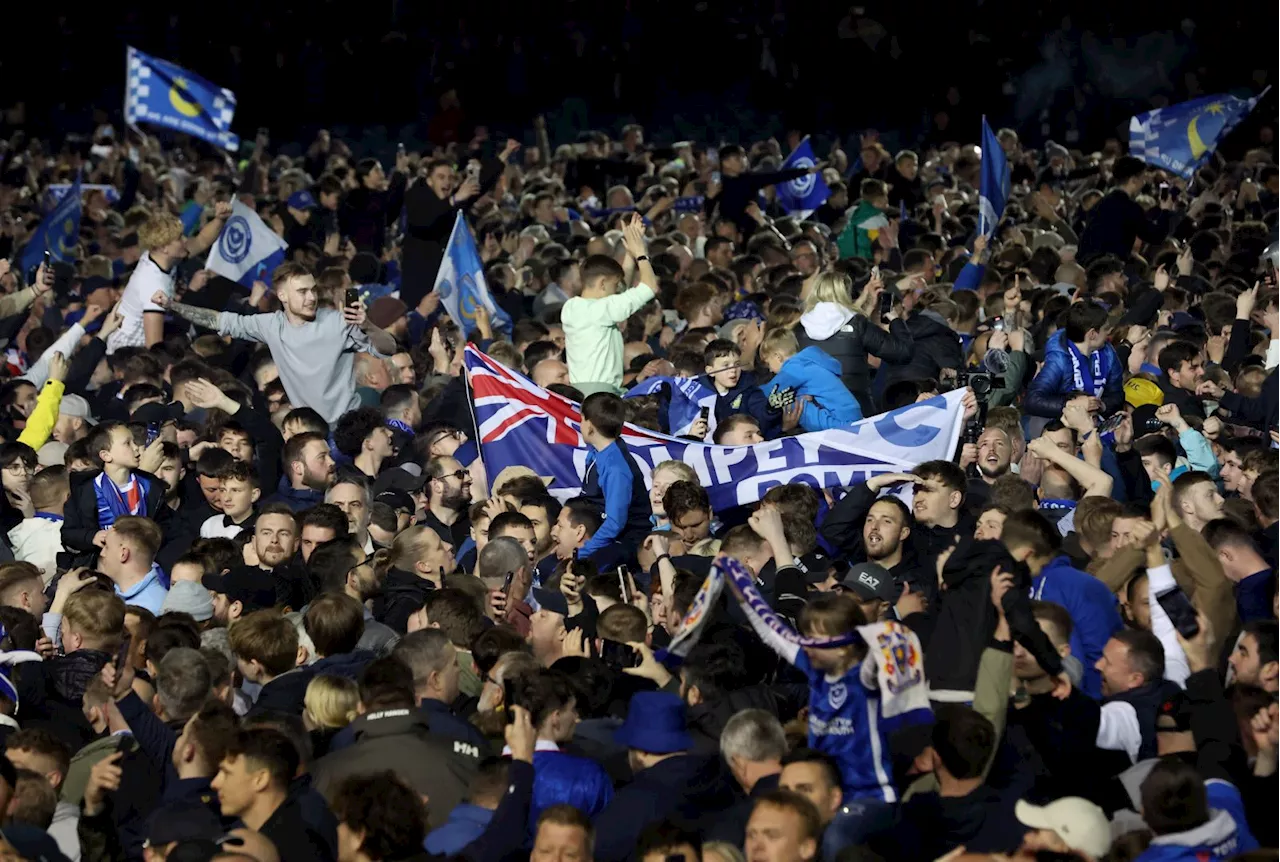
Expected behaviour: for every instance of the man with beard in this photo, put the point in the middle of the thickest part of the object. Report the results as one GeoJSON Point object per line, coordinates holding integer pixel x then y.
{"type": "Point", "coordinates": [884, 535]}
{"type": "Point", "coordinates": [991, 453]}
{"type": "Point", "coordinates": [402, 411]}
{"type": "Point", "coordinates": [308, 471]}
{"type": "Point", "coordinates": [351, 495]}
{"type": "Point", "coordinates": [340, 566]}
{"type": "Point", "coordinates": [448, 498]}
{"type": "Point", "coordinates": [314, 348]}
{"type": "Point", "coordinates": [275, 541]}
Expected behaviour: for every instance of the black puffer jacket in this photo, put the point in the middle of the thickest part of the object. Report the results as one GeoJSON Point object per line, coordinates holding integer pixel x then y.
{"type": "Point", "coordinates": [935, 346]}
{"type": "Point", "coordinates": [402, 594]}
{"type": "Point", "coordinates": [848, 337]}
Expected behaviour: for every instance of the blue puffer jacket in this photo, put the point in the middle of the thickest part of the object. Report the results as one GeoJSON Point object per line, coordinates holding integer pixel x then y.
{"type": "Point", "coordinates": [814, 373]}
{"type": "Point", "coordinates": [1094, 617]}
{"type": "Point", "coordinates": [561, 778]}
{"type": "Point", "coordinates": [1047, 394]}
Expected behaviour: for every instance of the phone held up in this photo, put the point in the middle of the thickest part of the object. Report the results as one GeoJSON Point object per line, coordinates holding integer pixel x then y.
{"type": "Point", "coordinates": [353, 296]}
{"type": "Point", "coordinates": [1181, 612]}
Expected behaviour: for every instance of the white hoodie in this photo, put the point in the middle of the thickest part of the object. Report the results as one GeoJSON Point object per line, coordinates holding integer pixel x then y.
{"type": "Point", "coordinates": [38, 541]}
{"type": "Point", "coordinates": [825, 320]}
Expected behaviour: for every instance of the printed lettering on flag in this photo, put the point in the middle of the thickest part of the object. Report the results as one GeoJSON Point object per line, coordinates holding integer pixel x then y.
{"type": "Point", "coordinates": [521, 424]}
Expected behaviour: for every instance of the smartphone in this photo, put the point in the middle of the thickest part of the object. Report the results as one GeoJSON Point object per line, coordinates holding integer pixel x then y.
{"type": "Point", "coordinates": [153, 431]}
{"type": "Point", "coordinates": [704, 413]}
{"type": "Point", "coordinates": [1180, 611]}
{"type": "Point", "coordinates": [128, 744]}
{"type": "Point", "coordinates": [48, 267]}
{"type": "Point", "coordinates": [997, 324]}
{"type": "Point", "coordinates": [1112, 423]}
{"type": "Point", "coordinates": [353, 296]}
{"type": "Point", "coordinates": [508, 701]}
{"type": "Point", "coordinates": [875, 272]}
{"type": "Point", "coordinates": [622, 585]}
{"type": "Point", "coordinates": [886, 303]}
{"type": "Point", "coordinates": [506, 584]}
{"type": "Point", "coordinates": [1164, 191]}
{"type": "Point", "coordinates": [618, 655]}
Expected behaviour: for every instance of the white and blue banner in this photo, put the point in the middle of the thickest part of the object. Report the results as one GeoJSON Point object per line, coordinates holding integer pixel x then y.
{"type": "Point", "coordinates": [993, 182]}
{"type": "Point", "coordinates": [688, 396]}
{"type": "Point", "coordinates": [803, 196]}
{"type": "Point", "coordinates": [460, 282]}
{"type": "Point", "coordinates": [247, 250]}
{"type": "Point", "coordinates": [521, 424]}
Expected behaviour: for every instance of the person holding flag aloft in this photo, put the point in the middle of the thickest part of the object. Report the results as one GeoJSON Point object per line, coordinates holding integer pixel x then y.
{"type": "Point", "coordinates": [738, 188]}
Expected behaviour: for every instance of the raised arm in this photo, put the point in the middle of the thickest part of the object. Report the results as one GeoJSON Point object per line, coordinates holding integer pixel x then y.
{"type": "Point", "coordinates": [1094, 480]}
{"type": "Point", "coordinates": [634, 242]}
{"type": "Point", "coordinates": [208, 235]}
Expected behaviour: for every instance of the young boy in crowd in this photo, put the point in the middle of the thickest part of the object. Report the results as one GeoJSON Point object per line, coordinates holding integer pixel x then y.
{"type": "Point", "coordinates": [810, 377]}
{"type": "Point", "coordinates": [97, 500]}
{"type": "Point", "coordinates": [38, 540]}
{"type": "Point", "coordinates": [593, 341]}
{"type": "Point", "coordinates": [239, 497]}
{"type": "Point", "coordinates": [613, 481]}
{"type": "Point", "coordinates": [736, 389]}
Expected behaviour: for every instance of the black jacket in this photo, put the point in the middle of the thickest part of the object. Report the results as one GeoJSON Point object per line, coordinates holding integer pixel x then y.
{"type": "Point", "coordinates": [737, 192]}
{"type": "Point", "coordinates": [1261, 412]}
{"type": "Point", "coordinates": [283, 694]}
{"type": "Point", "coordinates": [930, 826]}
{"type": "Point", "coordinates": [428, 224]}
{"type": "Point", "coordinates": [401, 740]}
{"type": "Point", "coordinates": [366, 214]}
{"type": "Point", "coordinates": [1053, 743]}
{"type": "Point", "coordinates": [850, 345]}
{"type": "Point", "coordinates": [1115, 223]}
{"type": "Point", "coordinates": [294, 839]}
{"type": "Point", "coordinates": [682, 787]}
{"type": "Point", "coordinates": [82, 523]}
{"type": "Point", "coordinates": [402, 594]}
{"type": "Point", "coordinates": [935, 346]}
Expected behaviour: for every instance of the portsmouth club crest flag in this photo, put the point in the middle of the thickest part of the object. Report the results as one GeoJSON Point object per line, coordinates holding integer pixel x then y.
{"type": "Point", "coordinates": [522, 424]}
{"type": "Point", "coordinates": [247, 250]}
{"type": "Point", "coordinates": [461, 285]}
{"type": "Point", "coordinates": [803, 196]}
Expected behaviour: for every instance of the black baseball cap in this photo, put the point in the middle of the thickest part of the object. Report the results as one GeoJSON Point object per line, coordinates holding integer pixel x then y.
{"type": "Point", "coordinates": [551, 600]}
{"type": "Point", "coordinates": [869, 582]}
{"type": "Point", "coordinates": [396, 499]}
{"type": "Point", "coordinates": [252, 587]}
{"type": "Point", "coordinates": [397, 479]}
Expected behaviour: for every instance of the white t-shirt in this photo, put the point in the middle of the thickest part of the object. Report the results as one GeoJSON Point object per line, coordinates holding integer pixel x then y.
{"type": "Point", "coordinates": [147, 278]}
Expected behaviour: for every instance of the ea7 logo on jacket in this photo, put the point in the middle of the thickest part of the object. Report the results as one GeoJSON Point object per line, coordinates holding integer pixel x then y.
{"type": "Point", "coordinates": [466, 748]}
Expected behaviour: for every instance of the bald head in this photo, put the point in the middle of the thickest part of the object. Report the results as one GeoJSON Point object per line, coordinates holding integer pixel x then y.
{"type": "Point", "coordinates": [549, 371]}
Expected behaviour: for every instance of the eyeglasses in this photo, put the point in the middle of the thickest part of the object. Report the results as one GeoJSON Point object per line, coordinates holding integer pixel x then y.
{"type": "Point", "coordinates": [457, 474]}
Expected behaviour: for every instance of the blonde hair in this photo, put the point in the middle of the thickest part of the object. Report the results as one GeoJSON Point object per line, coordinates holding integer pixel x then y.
{"type": "Point", "coordinates": [98, 616]}
{"type": "Point", "coordinates": [405, 550]}
{"type": "Point", "coordinates": [781, 341]}
{"type": "Point", "coordinates": [159, 230]}
{"type": "Point", "coordinates": [331, 701]}
{"type": "Point", "coordinates": [724, 850]}
{"type": "Point", "coordinates": [831, 286]}
{"type": "Point", "coordinates": [682, 471]}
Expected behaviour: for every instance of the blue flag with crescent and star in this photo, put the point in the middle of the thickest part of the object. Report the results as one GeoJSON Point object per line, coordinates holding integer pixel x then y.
{"type": "Point", "coordinates": [59, 233]}
{"type": "Point", "coordinates": [163, 94]}
{"type": "Point", "coordinates": [1179, 137]}
{"type": "Point", "coordinates": [460, 282]}
{"type": "Point", "coordinates": [993, 182]}
{"type": "Point", "coordinates": [803, 196]}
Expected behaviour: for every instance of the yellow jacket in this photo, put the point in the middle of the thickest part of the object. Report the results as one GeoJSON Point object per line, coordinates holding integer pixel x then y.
{"type": "Point", "coordinates": [42, 419]}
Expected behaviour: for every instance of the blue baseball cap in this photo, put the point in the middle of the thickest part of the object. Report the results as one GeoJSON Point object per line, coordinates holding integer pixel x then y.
{"type": "Point", "coordinates": [302, 200]}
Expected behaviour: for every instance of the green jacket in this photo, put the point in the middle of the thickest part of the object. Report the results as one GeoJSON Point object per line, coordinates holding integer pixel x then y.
{"type": "Point", "coordinates": [82, 763]}
{"type": "Point", "coordinates": [855, 241]}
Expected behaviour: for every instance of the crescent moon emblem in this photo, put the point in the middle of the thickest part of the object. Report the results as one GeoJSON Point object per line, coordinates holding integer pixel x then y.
{"type": "Point", "coordinates": [1198, 148]}
{"type": "Point", "coordinates": [179, 101]}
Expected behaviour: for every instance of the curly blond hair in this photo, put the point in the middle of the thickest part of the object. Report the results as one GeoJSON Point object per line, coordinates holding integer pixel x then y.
{"type": "Point", "coordinates": [159, 230]}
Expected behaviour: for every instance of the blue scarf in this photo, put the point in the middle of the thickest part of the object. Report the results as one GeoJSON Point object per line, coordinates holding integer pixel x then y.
{"type": "Point", "coordinates": [112, 504]}
{"type": "Point", "coordinates": [1088, 377]}
{"type": "Point", "coordinates": [400, 426]}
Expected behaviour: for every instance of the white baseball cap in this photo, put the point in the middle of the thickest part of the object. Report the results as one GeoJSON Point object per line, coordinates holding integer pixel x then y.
{"type": "Point", "coordinates": [1078, 822]}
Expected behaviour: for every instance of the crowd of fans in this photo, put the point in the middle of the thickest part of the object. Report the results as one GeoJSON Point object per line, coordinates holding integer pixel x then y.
{"type": "Point", "coordinates": [261, 600]}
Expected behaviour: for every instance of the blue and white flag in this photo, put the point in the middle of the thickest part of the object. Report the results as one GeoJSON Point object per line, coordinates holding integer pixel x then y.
{"type": "Point", "coordinates": [803, 196]}
{"type": "Point", "coordinates": [461, 285]}
{"type": "Point", "coordinates": [55, 192]}
{"type": "Point", "coordinates": [158, 92]}
{"type": "Point", "coordinates": [247, 250]}
{"type": "Point", "coordinates": [993, 183]}
{"type": "Point", "coordinates": [59, 233]}
{"type": "Point", "coordinates": [1179, 137]}
{"type": "Point", "coordinates": [688, 396]}
{"type": "Point", "coordinates": [522, 424]}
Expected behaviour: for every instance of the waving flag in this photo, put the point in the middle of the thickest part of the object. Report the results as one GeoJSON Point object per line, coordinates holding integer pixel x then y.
{"type": "Point", "coordinates": [460, 282]}
{"type": "Point", "coordinates": [158, 92]}
{"type": "Point", "coordinates": [247, 250]}
{"type": "Point", "coordinates": [803, 196]}
{"type": "Point", "coordinates": [687, 397]}
{"type": "Point", "coordinates": [993, 191]}
{"type": "Point", "coordinates": [59, 233]}
{"type": "Point", "coordinates": [522, 424]}
{"type": "Point", "coordinates": [1179, 137]}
